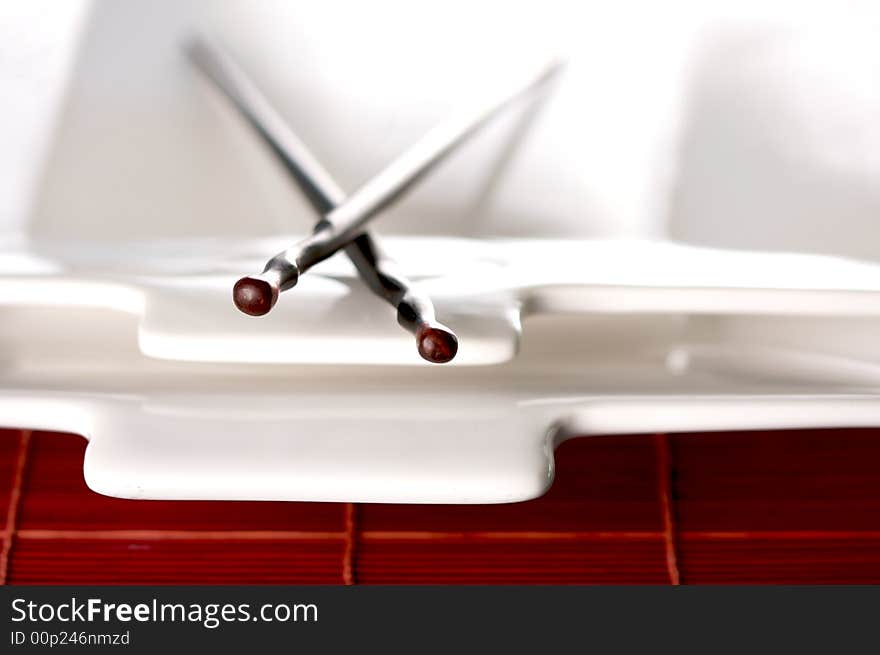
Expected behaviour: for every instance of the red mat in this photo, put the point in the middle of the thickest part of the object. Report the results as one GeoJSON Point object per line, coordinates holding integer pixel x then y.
{"type": "Point", "coordinates": [785, 506]}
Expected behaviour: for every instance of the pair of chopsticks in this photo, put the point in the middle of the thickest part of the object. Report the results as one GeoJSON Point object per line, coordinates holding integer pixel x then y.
{"type": "Point", "coordinates": [342, 220]}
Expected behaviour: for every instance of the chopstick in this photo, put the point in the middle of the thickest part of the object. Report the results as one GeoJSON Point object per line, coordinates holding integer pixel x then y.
{"type": "Point", "coordinates": [415, 312]}
{"type": "Point", "coordinates": [343, 223]}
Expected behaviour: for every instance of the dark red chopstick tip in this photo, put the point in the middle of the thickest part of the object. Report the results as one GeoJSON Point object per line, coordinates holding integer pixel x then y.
{"type": "Point", "coordinates": [254, 295]}
{"type": "Point", "coordinates": [438, 345]}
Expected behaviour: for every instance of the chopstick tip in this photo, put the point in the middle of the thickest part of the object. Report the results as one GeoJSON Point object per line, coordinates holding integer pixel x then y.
{"type": "Point", "coordinates": [255, 295]}
{"type": "Point", "coordinates": [437, 343]}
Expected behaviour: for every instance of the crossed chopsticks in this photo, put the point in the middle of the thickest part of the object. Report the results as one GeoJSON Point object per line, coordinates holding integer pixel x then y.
{"type": "Point", "coordinates": [342, 221]}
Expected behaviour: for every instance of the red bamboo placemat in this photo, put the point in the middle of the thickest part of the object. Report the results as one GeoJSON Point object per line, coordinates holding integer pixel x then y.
{"type": "Point", "coordinates": [784, 506]}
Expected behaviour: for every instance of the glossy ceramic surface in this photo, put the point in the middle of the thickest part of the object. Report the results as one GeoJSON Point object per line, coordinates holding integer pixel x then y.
{"type": "Point", "coordinates": [572, 274]}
